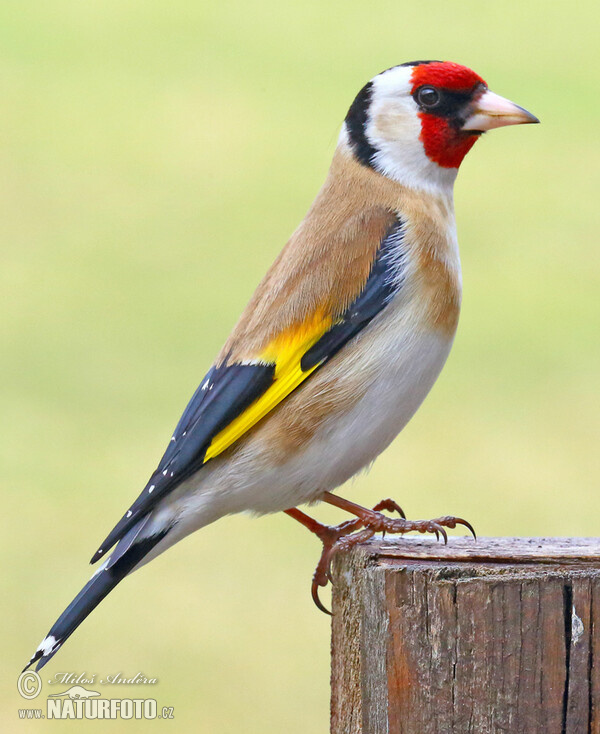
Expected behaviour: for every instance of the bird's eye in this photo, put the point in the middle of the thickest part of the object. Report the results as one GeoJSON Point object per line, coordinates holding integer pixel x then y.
{"type": "Point", "coordinates": [428, 97]}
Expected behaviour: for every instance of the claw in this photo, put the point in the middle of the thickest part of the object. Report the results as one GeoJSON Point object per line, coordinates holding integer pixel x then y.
{"type": "Point", "coordinates": [452, 522]}
{"type": "Point", "coordinates": [468, 525]}
{"type": "Point", "coordinates": [327, 558]}
{"type": "Point", "coordinates": [315, 596]}
{"type": "Point", "coordinates": [391, 506]}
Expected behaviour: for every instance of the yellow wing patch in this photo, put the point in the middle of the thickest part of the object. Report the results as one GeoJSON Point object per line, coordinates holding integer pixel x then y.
{"type": "Point", "coordinates": [286, 351]}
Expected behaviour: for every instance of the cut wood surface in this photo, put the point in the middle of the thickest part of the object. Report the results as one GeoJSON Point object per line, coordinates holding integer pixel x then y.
{"type": "Point", "coordinates": [493, 635]}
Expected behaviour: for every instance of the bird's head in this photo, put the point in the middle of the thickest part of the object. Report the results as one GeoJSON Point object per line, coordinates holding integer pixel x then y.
{"type": "Point", "coordinates": [416, 122]}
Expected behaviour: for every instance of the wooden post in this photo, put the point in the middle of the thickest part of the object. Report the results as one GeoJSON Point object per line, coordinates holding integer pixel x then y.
{"type": "Point", "coordinates": [495, 635]}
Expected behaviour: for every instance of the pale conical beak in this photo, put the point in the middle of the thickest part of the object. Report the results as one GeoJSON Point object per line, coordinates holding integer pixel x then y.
{"type": "Point", "coordinates": [491, 110]}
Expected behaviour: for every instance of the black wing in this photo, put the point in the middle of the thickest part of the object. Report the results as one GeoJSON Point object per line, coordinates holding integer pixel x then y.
{"type": "Point", "coordinates": [223, 395]}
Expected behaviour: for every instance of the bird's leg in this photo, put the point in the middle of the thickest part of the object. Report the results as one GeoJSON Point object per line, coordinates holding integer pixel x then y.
{"type": "Point", "coordinates": [325, 533]}
{"type": "Point", "coordinates": [330, 536]}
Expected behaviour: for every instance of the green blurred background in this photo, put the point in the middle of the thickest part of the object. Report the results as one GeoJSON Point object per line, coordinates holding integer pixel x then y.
{"type": "Point", "coordinates": [154, 158]}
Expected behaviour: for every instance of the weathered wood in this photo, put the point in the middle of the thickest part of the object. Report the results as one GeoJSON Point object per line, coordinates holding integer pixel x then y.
{"type": "Point", "coordinates": [479, 637]}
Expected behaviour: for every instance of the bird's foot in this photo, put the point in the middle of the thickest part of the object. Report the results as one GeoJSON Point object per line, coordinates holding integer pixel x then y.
{"type": "Point", "coordinates": [345, 535]}
{"type": "Point", "coordinates": [374, 520]}
{"type": "Point", "coordinates": [378, 523]}
{"type": "Point", "coordinates": [367, 522]}
{"type": "Point", "coordinates": [371, 522]}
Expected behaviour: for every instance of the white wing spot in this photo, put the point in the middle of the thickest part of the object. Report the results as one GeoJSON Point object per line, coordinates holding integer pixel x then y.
{"type": "Point", "coordinates": [101, 568]}
{"type": "Point", "coordinates": [165, 473]}
{"type": "Point", "coordinates": [48, 645]}
{"type": "Point", "coordinates": [151, 489]}
{"type": "Point", "coordinates": [129, 513]}
{"type": "Point", "coordinates": [206, 384]}
{"type": "Point", "coordinates": [252, 362]}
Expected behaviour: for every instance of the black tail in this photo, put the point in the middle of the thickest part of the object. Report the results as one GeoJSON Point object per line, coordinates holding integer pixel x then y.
{"type": "Point", "coordinates": [128, 553]}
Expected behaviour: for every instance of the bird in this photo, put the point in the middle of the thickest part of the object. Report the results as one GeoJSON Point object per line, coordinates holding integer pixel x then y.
{"type": "Point", "coordinates": [338, 346]}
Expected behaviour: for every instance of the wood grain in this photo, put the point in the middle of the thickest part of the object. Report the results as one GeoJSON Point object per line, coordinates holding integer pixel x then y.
{"type": "Point", "coordinates": [498, 635]}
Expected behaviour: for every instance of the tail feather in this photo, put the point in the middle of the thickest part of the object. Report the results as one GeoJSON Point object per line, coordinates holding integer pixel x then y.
{"type": "Point", "coordinates": [126, 556]}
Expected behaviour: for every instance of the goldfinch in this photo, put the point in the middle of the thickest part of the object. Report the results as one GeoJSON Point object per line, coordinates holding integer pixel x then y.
{"type": "Point", "coordinates": [340, 343]}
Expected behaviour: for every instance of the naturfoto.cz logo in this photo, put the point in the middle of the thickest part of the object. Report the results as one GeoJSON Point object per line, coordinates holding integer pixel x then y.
{"type": "Point", "coordinates": [78, 702]}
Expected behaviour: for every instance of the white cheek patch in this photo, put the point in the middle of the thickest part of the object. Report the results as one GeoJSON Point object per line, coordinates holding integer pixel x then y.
{"type": "Point", "coordinates": [394, 129]}
{"type": "Point", "coordinates": [392, 120]}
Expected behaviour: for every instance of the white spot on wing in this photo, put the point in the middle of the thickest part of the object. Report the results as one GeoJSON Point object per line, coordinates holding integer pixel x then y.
{"type": "Point", "coordinates": [151, 489]}
{"type": "Point", "coordinates": [253, 362]}
{"type": "Point", "coordinates": [129, 513]}
{"type": "Point", "coordinates": [101, 567]}
{"type": "Point", "coordinates": [48, 645]}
